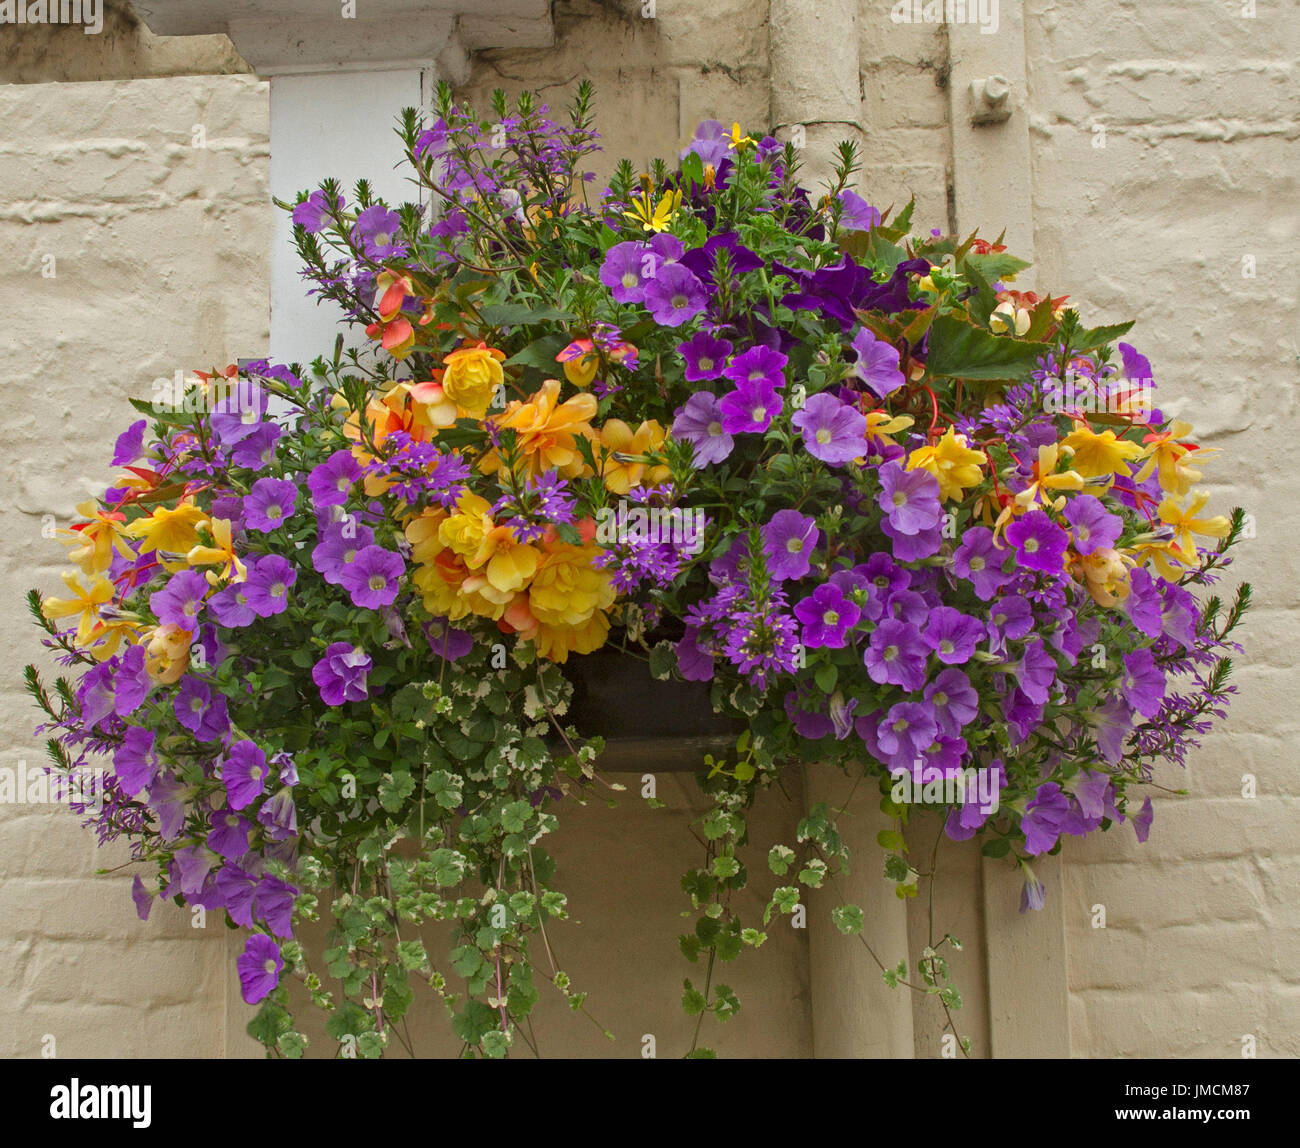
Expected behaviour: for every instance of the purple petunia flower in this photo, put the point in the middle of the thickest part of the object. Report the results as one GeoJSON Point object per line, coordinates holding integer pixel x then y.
{"type": "Point", "coordinates": [699, 422]}
{"type": "Point", "coordinates": [230, 606]}
{"type": "Point", "coordinates": [273, 903]}
{"type": "Point", "coordinates": [236, 889]}
{"type": "Point", "coordinates": [259, 968]}
{"type": "Point", "coordinates": [952, 635]}
{"type": "Point", "coordinates": [168, 798]}
{"type": "Point", "coordinates": [627, 269]}
{"type": "Point", "coordinates": [1043, 818]}
{"type": "Point", "coordinates": [979, 560]}
{"type": "Point", "coordinates": [129, 445]}
{"type": "Point", "coordinates": [269, 503]}
{"type": "Point", "coordinates": [339, 545]}
{"type": "Point", "coordinates": [896, 654]}
{"type": "Point", "coordinates": [134, 762]}
{"type": "Point", "coordinates": [711, 142]}
{"type": "Point", "coordinates": [313, 213]}
{"type": "Point", "coordinates": [257, 450]}
{"type": "Point", "coordinates": [377, 232]}
{"type": "Point", "coordinates": [1040, 544]}
{"type": "Point", "coordinates": [788, 541]}
{"type": "Point", "coordinates": [674, 296]}
{"type": "Point", "coordinates": [238, 412]}
{"type": "Point", "coordinates": [705, 356]}
{"type": "Point", "coordinates": [904, 733]}
{"type": "Point", "coordinates": [229, 835]}
{"type": "Point", "coordinates": [1144, 683]}
{"type": "Point", "coordinates": [758, 365]}
{"type": "Point", "coordinates": [1033, 894]}
{"type": "Point", "coordinates": [374, 578]}
{"type": "Point", "coordinates": [196, 710]}
{"type": "Point", "coordinates": [180, 602]}
{"type": "Point", "coordinates": [857, 214]}
{"type": "Point", "coordinates": [131, 682]}
{"type": "Point", "coordinates": [267, 588]}
{"type": "Point", "coordinates": [827, 616]}
{"type": "Point", "coordinates": [750, 408]}
{"type": "Point", "coordinates": [244, 772]}
{"type": "Point", "coordinates": [695, 664]}
{"type": "Point", "coordinates": [279, 816]}
{"type": "Point", "coordinates": [877, 364]}
{"type": "Point", "coordinates": [332, 480]}
{"type": "Point", "coordinates": [833, 431]}
{"type": "Point", "coordinates": [341, 674]}
{"type": "Point", "coordinates": [954, 701]}
{"type": "Point", "coordinates": [142, 897]}
{"type": "Point", "coordinates": [446, 641]}
{"type": "Point", "coordinates": [1093, 526]}
{"type": "Point", "coordinates": [1142, 822]}
{"type": "Point", "coordinates": [909, 498]}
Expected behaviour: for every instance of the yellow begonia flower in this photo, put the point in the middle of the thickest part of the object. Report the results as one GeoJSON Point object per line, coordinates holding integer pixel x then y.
{"type": "Point", "coordinates": [220, 553]}
{"type": "Point", "coordinates": [507, 563]}
{"type": "Point", "coordinates": [617, 438]}
{"type": "Point", "coordinates": [557, 642]}
{"type": "Point", "coordinates": [1100, 454]}
{"type": "Point", "coordinates": [1186, 524]}
{"type": "Point", "coordinates": [93, 542]}
{"type": "Point", "coordinates": [1169, 458]}
{"type": "Point", "coordinates": [85, 602]}
{"type": "Point", "coordinates": [464, 531]}
{"type": "Point", "coordinates": [567, 589]}
{"type": "Point", "coordinates": [952, 462]}
{"type": "Point", "coordinates": [546, 431]}
{"type": "Point", "coordinates": [175, 531]}
{"type": "Point", "coordinates": [471, 378]}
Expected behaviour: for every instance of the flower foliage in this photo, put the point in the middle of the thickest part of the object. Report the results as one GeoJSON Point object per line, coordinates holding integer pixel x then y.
{"type": "Point", "coordinates": [897, 515]}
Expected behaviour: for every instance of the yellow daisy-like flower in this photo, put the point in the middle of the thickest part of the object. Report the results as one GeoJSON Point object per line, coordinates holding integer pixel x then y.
{"type": "Point", "coordinates": [1186, 523]}
{"type": "Point", "coordinates": [654, 217]}
{"type": "Point", "coordinates": [1102, 454]}
{"type": "Point", "coordinates": [93, 542]}
{"type": "Point", "coordinates": [221, 553]}
{"type": "Point", "coordinates": [1169, 458]}
{"type": "Point", "coordinates": [952, 462]}
{"type": "Point", "coordinates": [84, 602]}
{"type": "Point", "coordinates": [175, 531]}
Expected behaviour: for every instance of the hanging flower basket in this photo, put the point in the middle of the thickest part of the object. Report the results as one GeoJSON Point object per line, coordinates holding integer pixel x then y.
{"type": "Point", "coordinates": [702, 470]}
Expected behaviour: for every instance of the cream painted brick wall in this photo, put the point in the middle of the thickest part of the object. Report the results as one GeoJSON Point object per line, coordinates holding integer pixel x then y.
{"type": "Point", "coordinates": [160, 263]}
{"type": "Point", "coordinates": [1198, 170]}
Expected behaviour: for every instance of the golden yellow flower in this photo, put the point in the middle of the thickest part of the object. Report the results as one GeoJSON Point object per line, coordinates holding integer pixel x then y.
{"type": "Point", "coordinates": [1185, 523]}
{"type": "Point", "coordinates": [546, 432]}
{"type": "Point", "coordinates": [471, 378]}
{"type": "Point", "coordinates": [1170, 458]}
{"type": "Point", "coordinates": [557, 642]}
{"type": "Point", "coordinates": [952, 462]}
{"type": "Point", "coordinates": [567, 589]}
{"type": "Point", "coordinates": [175, 531]}
{"type": "Point", "coordinates": [84, 602]}
{"type": "Point", "coordinates": [167, 653]}
{"type": "Point", "coordinates": [1100, 454]}
{"type": "Point", "coordinates": [94, 541]}
{"type": "Point", "coordinates": [617, 438]}
{"type": "Point", "coordinates": [464, 531]}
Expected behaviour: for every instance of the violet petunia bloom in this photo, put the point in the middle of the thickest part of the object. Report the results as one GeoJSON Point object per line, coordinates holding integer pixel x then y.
{"type": "Point", "coordinates": [168, 798]}
{"type": "Point", "coordinates": [952, 635]}
{"type": "Point", "coordinates": [1033, 894]}
{"type": "Point", "coordinates": [279, 815]}
{"type": "Point", "coordinates": [904, 733]}
{"type": "Point", "coordinates": [244, 772]}
{"type": "Point", "coordinates": [131, 682]}
{"type": "Point", "coordinates": [856, 213]}
{"type": "Point", "coordinates": [758, 365]}
{"type": "Point", "coordinates": [267, 589]}
{"type": "Point", "coordinates": [341, 674]}
{"type": "Point", "coordinates": [236, 889]}
{"type": "Point", "coordinates": [134, 762]}
{"type": "Point", "coordinates": [446, 641]}
{"type": "Point", "coordinates": [129, 445]}
{"type": "Point", "coordinates": [699, 422]}
{"type": "Point", "coordinates": [273, 903]}
{"type": "Point", "coordinates": [809, 724]}
{"type": "Point", "coordinates": [827, 617]}
{"type": "Point", "coordinates": [142, 897]}
{"type": "Point", "coordinates": [374, 579]}
{"type": "Point", "coordinates": [909, 498]}
{"type": "Point", "coordinates": [674, 295]}
{"type": "Point", "coordinates": [207, 719]}
{"type": "Point", "coordinates": [1035, 672]}
{"type": "Point", "coordinates": [750, 408]}
{"type": "Point", "coordinates": [1144, 683]}
{"type": "Point", "coordinates": [896, 655]}
{"type": "Point", "coordinates": [378, 231]}
{"type": "Point", "coordinates": [180, 602]}
{"type": "Point", "coordinates": [269, 504]}
{"type": "Point", "coordinates": [877, 364]}
{"type": "Point", "coordinates": [833, 432]}
{"type": "Point", "coordinates": [954, 701]}
{"type": "Point", "coordinates": [338, 547]}
{"type": "Point", "coordinates": [257, 449]}
{"type": "Point", "coordinates": [788, 541]}
{"type": "Point", "coordinates": [1142, 822]}
{"type": "Point", "coordinates": [1040, 544]}
{"type": "Point", "coordinates": [695, 663]}
{"type": "Point", "coordinates": [711, 142]}
{"type": "Point", "coordinates": [979, 560]}
{"type": "Point", "coordinates": [1092, 525]}
{"type": "Point", "coordinates": [627, 269]}
{"type": "Point", "coordinates": [259, 968]}
{"type": "Point", "coordinates": [705, 356]}
{"type": "Point", "coordinates": [230, 606]}
{"type": "Point", "coordinates": [238, 412]}
{"type": "Point", "coordinates": [1044, 816]}
{"type": "Point", "coordinates": [229, 834]}
{"type": "Point", "coordinates": [331, 481]}
{"type": "Point", "coordinates": [193, 864]}
{"type": "Point", "coordinates": [313, 213]}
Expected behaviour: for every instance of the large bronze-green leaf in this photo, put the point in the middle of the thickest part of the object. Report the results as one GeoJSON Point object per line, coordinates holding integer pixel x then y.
{"type": "Point", "coordinates": [960, 350]}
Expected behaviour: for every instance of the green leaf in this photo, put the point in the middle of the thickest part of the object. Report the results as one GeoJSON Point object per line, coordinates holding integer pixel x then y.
{"type": "Point", "coordinates": [693, 1001]}
{"type": "Point", "coordinates": [998, 847]}
{"type": "Point", "coordinates": [1095, 337]}
{"type": "Point", "coordinates": [826, 677]}
{"type": "Point", "coordinates": [394, 789]}
{"type": "Point", "coordinates": [849, 919]}
{"type": "Point", "coordinates": [959, 349]}
{"type": "Point", "coordinates": [522, 314]}
{"type": "Point", "coordinates": [540, 354]}
{"type": "Point", "coordinates": [996, 264]}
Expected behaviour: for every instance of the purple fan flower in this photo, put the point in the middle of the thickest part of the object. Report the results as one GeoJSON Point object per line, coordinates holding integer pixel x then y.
{"type": "Point", "coordinates": [196, 710]}
{"type": "Point", "coordinates": [952, 635]}
{"type": "Point", "coordinates": [1093, 526]}
{"type": "Point", "coordinates": [674, 296]}
{"type": "Point", "coordinates": [244, 772]}
{"type": "Point", "coordinates": [827, 616]}
{"type": "Point", "coordinates": [339, 545]}
{"type": "Point", "coordinates": [788, 541]}
{"type": "Point", "coordinates": [705, 356]}
{"type": "Point", "coordinates": [1144, 683]}
{"type": "Point", "coordinates": [180, 601]}
{"type": "Point", "coordinates": [341, 674]}
{"type": "Point", "coordinates": [750, 408]}
{"type": "Point", "coordinates": [909, 498]}
{"type": "Point", "coordinates": [979, 560]}
{"type": "Point", "coordinates": [699, 422]}
{"type": "Point", "coordinates": [229, 835]}
{"type": "Point", "coordinates": [627, 269]}
{"type": "Point", "coordinates": [259, 968]}
{"type": "Point", "coordinates": [877, 364]}
{"type": "Point", "coordinates": [267, 589]}
{"type": "Point", "coordinates": [269, 503]}
{"type": "Point", "coordinates": [1040, 544]}
{"type": "Point", "coordinates": [377, 232]}
{"type": "Point", "coordinates": [331, 481]}
{"type": "Point", "coordinates": [832, 431]}
{"type": "Point", "coordinates": [374, 579]}
{"type": "Point", "coordinates": [134, 762]}
{"type": "Point", "coordinates": [896, 654]}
